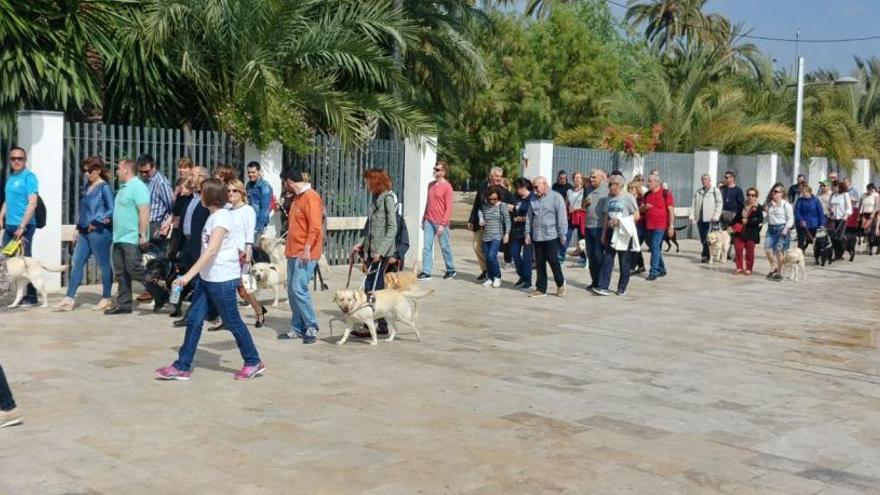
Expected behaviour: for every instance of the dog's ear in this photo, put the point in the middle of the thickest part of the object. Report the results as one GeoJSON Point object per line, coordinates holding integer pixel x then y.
{"type": "Point", "coordinates": [273, 268]}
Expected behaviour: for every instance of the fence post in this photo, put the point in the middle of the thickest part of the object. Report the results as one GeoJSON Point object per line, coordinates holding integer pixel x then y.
{"type": "Point", "coordinates": [538, 160]}
{"type": "Point", "coordinates": [41, 134]}
{"type": "Point", "coordinates": [766, 175]}
{"type": "Point", "coordinates": [705, 162]}
{"type": "Point", "coordinates": [420, 155]}
{"type": "Point", "coordinates": [818, 170]}
{"type": "Point", "coordinates": [861, 174]}
{"type": "Point", "coordinates": [271, 163]}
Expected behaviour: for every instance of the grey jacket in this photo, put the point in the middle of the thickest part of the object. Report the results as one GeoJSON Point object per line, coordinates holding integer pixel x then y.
{"type": "Point", "coordinates": [381, 228]}
{"type": "Point", "coordinates": [547, 218]}
{"type": "Point", "coordinates": [710, 202]}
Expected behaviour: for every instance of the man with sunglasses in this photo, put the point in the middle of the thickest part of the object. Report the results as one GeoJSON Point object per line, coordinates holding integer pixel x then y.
{"type": "Point", "coordinates": [435, 222]}
{"type": "Point", "coordinates": [17, 215]}
{"type": "Point", "coordinates": [734, 200]}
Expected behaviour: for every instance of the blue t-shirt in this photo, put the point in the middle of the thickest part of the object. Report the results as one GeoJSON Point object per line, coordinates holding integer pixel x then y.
{"type": "Point", "coordinates": [18, 188]}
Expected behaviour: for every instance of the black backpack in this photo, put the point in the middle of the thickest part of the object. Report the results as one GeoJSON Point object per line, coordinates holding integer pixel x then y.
{"type": "Point", "coordinates": [401, 240]}
{"type": "Point", "coordinates": [40, 213]}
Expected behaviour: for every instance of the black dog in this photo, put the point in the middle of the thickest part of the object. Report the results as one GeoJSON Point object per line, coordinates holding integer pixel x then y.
{"type": "Point", "coordinates": [873, 242]}
{"type": "Point", "coordinates": [157, 267]}
{"type": "Point", "coordinates": [672, 240]}
{"type": "Point", "coordinates": [822, 248]}
{"type": "Point", "coordinates": [843, 244]}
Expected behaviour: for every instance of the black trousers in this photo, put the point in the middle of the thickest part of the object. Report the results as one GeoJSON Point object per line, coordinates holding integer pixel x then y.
{"type": "Point", "coordinates": [128, 266]}
{"type": "Point", "coordinates": [548, 252]}
{"type": "Point", "coordinates": [7, 403]}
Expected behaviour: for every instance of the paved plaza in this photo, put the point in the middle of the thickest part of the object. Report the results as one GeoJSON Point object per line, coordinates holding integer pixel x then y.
{"type": "Point", "coordinates": [701, 382]}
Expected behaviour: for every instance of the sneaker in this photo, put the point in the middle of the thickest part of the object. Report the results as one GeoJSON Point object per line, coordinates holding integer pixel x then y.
{"type": "Point", "coordinates": [526, 288]}
{"type": "Point", "coordinates": [496, 283]}
{"type": "Point", "coordinates": [560, 291]}
{"type": "Point", "coordinates": [771, 275]}
{"type": "Point", "coordinates": [172, 373]}
{"type": "Point", "coordinates": [423, 276]}
{"type": "Point", "coordinates": [620, 292]}
{"type": "Point", "coordinates": [481, 277]}
{"type": "Point", "coordinates": [11, 417]}
{"type": "Point", "coordinates": [537, 293]}
{"type": "Point", "coordinates": [599, 292]}
{"type": "Point", "coordinates": [248, 372]}
{"type": "Point", "coordinates": [487, 283]}
{"type": "Point", "coordinates": [310, 336]}
{"type": "Point", "coordinates": [777, 278]}
{"type": "Point", "coordinates": [518, 284]}
{"type": "Point", "coordinates": [291, 334]}
{"type": "Point", "coordinates": [449, 274]}
{"type": "Point", "coordinates": [144, 297]}
{"type": "Point", "coordinates": [651, 278]}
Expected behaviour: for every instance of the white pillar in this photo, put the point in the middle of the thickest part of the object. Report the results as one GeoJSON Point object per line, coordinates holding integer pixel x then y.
{"type": "Point", "coordinates": [705, 162]}
{"type": "Point", "coordinates": [538, 160]}
{"type": "Point", "coordinates": [420, 157]}
{"type": "Point", "coordinates": [630, 167]}
{"type": "Point", "coordinates": [766, 176]}
{"type": "Point", "coordinates": [818, 171]}
{"type": "Point", "coordinates": [861, 174]}
{"type": "Point", "coordinates": [41, 134]}
{"type": "Point", "coordinates": [271, 163]}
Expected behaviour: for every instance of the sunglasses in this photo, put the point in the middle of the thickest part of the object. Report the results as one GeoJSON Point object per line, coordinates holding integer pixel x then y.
{"type": "Point", "coordinates": [751, 195]}
{"type": "Point", "coordinates": [17, 158]}
{"type": "Point", "coordinates": [230, 191]}
{"type": "Point", "coordinates": [438, 170]}
{"type": "Point", "coordinates": [494, 198]}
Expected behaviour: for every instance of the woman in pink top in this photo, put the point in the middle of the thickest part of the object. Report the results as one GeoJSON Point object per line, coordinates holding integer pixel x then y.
{"type": "Point", "coordinates": [435, 222]}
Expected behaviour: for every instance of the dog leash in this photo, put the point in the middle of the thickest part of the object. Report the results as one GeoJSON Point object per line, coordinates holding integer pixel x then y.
{"type": "Point", "coordinates": [350, 268]}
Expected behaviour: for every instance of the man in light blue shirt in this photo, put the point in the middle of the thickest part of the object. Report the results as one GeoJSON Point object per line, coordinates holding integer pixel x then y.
{"type": "Point", "coordinates": [17, 215]}
{"type": "Point", "coordinates": [259, 195]}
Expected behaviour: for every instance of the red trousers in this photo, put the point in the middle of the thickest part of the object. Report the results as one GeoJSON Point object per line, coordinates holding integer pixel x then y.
{"type": "Point", "coordinates": [747, 248]}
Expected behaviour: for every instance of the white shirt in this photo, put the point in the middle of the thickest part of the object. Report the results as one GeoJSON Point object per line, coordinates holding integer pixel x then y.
{"type": "Point", "coordinates": [869, 203]}
{"type": "Point", "coordinates": [225, 266]}
{"type": "Point", "coordinates": [245, 219]}
{"type": "Point", "coordinates": [840, 206]}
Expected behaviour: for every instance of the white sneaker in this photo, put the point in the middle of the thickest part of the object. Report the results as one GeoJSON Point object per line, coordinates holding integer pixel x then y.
{"type": "Point", "coordinates": [488, 282]}
{"type": "Point", "coordinates": [496, 283]}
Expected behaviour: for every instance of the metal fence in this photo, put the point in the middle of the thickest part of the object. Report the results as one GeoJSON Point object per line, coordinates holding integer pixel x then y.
{"type": "Point", "coordinates": [582, 160]}
{"type": "Point", "coordinates": [744, 166]}
{"type": "Point", "coordinates": [676, 171]}
{"type": "Point", "coordinates": [117, 142]}
{"type": "Point", "coordinates": [338, 173]}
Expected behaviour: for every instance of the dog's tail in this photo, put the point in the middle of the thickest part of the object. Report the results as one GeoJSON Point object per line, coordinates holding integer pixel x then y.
{"type": "Point", "coordinates": [413, 294]}
{"type": "Point", "coordinates": [54, 269]}
{"type": "Point", "coordinates": [682, 227]}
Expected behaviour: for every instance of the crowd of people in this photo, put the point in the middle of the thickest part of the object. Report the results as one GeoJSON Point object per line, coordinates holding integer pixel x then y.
{"type": "Point", "coordinates": [208, 230]}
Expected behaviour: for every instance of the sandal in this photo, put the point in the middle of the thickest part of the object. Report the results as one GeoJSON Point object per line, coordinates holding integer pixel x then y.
{"type": "Point", "coordinates": [217, 327]}
{"type": "Point", "coordinates": [771, 275]}
{"type": "Point", "coordinates": [66, 304]}
{"type": "Point", "coordinates": [103, 304]}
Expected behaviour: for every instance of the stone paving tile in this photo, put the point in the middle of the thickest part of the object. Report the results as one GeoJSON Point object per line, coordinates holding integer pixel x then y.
{"type": "Point", "coordinates": [699, 383]}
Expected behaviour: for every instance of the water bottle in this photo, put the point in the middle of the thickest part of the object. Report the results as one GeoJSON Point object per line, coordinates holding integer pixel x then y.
{"type": "Point", "coordinates": [175, 293]}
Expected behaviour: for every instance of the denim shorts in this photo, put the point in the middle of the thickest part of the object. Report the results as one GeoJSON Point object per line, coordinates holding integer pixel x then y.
{"type": "Point", "coordinates": [775, 241]}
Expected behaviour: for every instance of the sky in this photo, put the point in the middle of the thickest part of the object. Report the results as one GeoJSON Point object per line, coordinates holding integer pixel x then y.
{"type": "Point", "coordinates": [816, 19]}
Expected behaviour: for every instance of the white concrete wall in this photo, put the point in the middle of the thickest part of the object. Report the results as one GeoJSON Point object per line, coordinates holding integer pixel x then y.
{"type": "Point", "coordinates": [766, 173]}
{"type": "Point", "coordinates": [271, 163]}
{"type": "Point", "coordinates": [41, 134]}
{"type": "Point", "coordinates": [861, 174]}
{"type": "Point", "coordinates": [420, 157]}
{"type": "Point", "coordinates": [538, 160]}
{"type": "Point", "coordinates": [705, 162]}
{"type": "Point", "coordinates": [818, 170]}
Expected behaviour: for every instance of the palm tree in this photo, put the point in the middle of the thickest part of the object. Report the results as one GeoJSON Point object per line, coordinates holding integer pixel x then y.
{"type": "Point", "coordinates": [668, 20]}
{"type": "Point", "coordinates": [266, 70]}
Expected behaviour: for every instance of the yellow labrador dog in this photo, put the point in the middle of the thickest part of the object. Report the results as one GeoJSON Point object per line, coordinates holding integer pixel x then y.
{"type": "Point", "coordinates": [23, 269]}
{"type": "Point", "coordinates": [393, 305]}
{"type": "Point", "coordinates": [402, 281]}
{"type": "Point", "coordinates": [268, 276]}
{"type": "Point", "coordinates": [719, 245]}
{"type": "Point", "coordinates": [794, 261]}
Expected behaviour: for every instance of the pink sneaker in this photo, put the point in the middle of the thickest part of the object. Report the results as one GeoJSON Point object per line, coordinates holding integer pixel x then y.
{"type": "Point", "coordinates": [172, 373]}
{"type": "Point", "coordinates": [248, 372]}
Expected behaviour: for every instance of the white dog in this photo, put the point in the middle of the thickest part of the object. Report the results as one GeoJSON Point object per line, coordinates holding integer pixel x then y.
{"type": "Point", "coordinates": [23, 269]}
{"type": "Point", "coordinates": [719, 245]}
{"type": "Point", "coordinates": [794, 261]}
{"type": "Point", "coordinates": [393, 305]}
{"type": "Point", "coordinates": [268, 276]}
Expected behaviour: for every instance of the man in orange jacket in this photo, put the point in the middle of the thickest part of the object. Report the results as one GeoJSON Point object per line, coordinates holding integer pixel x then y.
{"type": "Point", "coordinates": [305, 243]}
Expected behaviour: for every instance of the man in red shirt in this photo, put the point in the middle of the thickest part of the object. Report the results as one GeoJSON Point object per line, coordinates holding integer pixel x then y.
{"type": "Point", "coordinates": [659, 211]}
{"type": "Point", "coordinates": [435, 222]}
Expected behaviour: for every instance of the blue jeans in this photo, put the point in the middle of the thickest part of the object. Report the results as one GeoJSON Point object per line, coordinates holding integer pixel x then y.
{"type": "Point", "coordinates": [99, 244]}
{"type": "Point", "coordinates": [703, 228]}
{"type": "Point", "coordinates": [222, 297]}
{"type": "Point", "coordinates": [299, 274]}
{"type": "Point", "coordinates": [573, 233]}
{"type": "Point", "coordinates": [596, 252]}
{"type": "Point", "coordinates": [428, 251]}
{"type": "Point", "coordinates": [523, 255]}
{"type": "Point", "coordinates": [655, 243]}
{"type": "Point", "coordinates": [490, 249]}
{"type": "Point", "coordinates": [8, 234]}
{"type": "Point", "coordinates": [608, 267]}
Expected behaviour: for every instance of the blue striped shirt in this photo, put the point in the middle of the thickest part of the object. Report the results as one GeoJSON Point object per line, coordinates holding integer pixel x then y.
{"type": "Point", "coordinates": [160, 197]}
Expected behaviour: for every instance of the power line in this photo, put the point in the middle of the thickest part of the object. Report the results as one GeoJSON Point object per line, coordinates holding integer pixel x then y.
{"type": "Point", "coordinates": [773, 38]}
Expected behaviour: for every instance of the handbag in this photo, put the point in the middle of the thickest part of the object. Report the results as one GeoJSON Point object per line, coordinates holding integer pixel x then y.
{"type": "Point", "coordinates": [13, 248]}
{"type": "Point", "coordinates": [737, 228]}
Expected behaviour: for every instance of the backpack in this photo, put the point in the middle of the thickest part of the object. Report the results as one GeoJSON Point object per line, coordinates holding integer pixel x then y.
{"type": "Point", "coordinates": [401, 239]}
{"type": "Point", "coordinates": [40, 213]}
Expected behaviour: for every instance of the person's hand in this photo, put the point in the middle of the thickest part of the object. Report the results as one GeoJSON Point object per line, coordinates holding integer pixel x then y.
{"type": "Point", "coordinates": [391, 260]}
{"type": "Point", "coordinates": [439, 231]}
{"type": "Point", "coordinates": [75, 237]}
{"type": "Point", "coordinates": [19, 233]}
{"type": "Point", "coordinates": [376, 258]}
{"type": "Point", "coordinates": [614, 222]}
{"type": "Point", "coordinates": [528, 240]}
{"type": "Point", "coordinates": [693, 220]}
{"type": "Point", "coordinates": [306, 255]}
{"type": "Point", "coordinates": [356, 248]}
{"type": "Point", "coordinates": [648, 206]}
{"type": "Point", "coordinates": [505, 239]}
{"type": "Point", "coordinates": [670, 231]}
{"type": "Point", "coordinates": [510, 207]}
{"type": "Point", "coordinates": [785, 232]}
{"type": "Point", "coordinates": [165, 229]}
{"type": "Point", "coordinates": [470, 226]}
{"type": "Point", "coordinates": [562, 240]}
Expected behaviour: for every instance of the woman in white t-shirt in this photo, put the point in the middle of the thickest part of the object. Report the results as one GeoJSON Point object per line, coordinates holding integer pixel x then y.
{"type": "Point", "coordinates": [219, 274]}
{"type": "Point", "coordinates": [245, 223]}
{"type": "Point", "coordinates": [868, 207]}
{"type": "Point", "coordinates": [839, 207]}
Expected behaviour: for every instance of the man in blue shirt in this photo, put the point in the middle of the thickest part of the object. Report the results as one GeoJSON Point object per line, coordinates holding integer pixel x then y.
{"type": "Point", "coordinates": [17, 219]}
{"type": "Point", "coordinates": [259, 194]}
